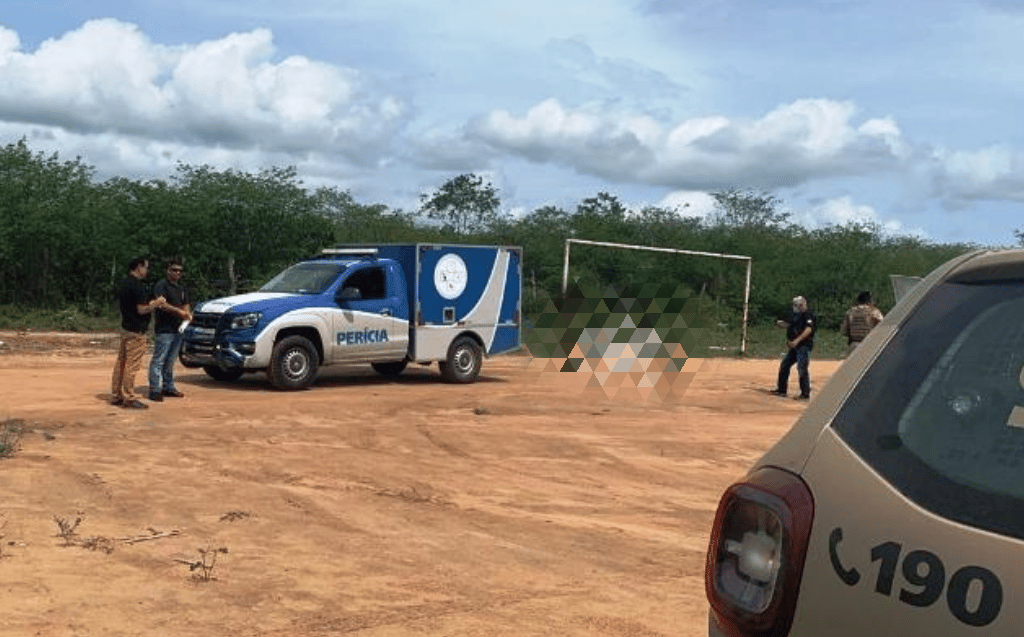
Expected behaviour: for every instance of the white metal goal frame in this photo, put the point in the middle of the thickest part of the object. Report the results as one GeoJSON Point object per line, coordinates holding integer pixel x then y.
{"type": "Point", "coordinates": [627, 246]}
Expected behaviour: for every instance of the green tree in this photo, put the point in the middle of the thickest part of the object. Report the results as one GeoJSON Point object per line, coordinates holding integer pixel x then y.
{"type": "Point", "coordinates": [601, 217]}
{"type": "Point", "coordinates": [64, 239]}
{"type": "Point", "coordinates": [839, 261]}
{"type": "Point", "coordinates": [746, 209]}
{"type": "Point", "coordinates": [749, 223]}
{"type": "Point", "coordinates": [363, 223]}
{"type": "Point", "coordinates": [542, 234]}
{"type": "Point", "coordinates": [465, 204]}
{"type": "Point", "coordinates": [233, 229]}
{"type": "Point", "coordinates": [45, 229]}
{"type": "Point", "coordinates": [251, 225]}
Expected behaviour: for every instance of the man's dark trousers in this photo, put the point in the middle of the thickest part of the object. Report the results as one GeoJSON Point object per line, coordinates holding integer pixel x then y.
{"type": "Point", "coordinates": [801, 355]}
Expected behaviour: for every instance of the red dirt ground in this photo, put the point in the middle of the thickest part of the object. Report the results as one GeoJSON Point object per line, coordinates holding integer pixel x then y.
{"type": "Point", "coordinates": [520, 505]}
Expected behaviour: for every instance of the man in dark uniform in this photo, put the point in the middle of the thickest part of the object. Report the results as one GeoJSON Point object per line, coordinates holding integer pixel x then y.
{"type": "Point", "coordinates": [800, 341]}
{"type": "Point", "coordinates": [136, 305]}
{"type": "Point", "coordinates": [167, 336]}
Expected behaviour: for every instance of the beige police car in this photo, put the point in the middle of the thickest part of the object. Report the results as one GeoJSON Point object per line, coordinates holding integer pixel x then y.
{"type": "Point", "coordinates": [895, 504]}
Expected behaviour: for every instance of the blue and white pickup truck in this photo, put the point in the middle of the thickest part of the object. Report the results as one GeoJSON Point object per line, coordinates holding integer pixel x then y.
{"type": "Point", "coordinates": [385, 305]}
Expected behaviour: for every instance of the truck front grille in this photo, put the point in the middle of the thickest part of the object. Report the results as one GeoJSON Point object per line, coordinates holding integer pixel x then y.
{"type": "Point", "coordinates": [206, 320]}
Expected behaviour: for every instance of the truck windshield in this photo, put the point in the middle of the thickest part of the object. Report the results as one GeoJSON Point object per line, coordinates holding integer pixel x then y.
{"type": "Point", "coordinates": [305, 278]}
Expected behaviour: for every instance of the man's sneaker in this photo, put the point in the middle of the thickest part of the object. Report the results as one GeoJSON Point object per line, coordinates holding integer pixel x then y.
{"type": "Point", "coordinates": [776, 392]}
{"type": "Point", "coordinates": [804, 397]}
{"type": "Point", "coordinates": [173, 393]}
{"type": "Point", "coordinates": [133, 404]}
{"type": "Point", "coordinates": [156, 398]}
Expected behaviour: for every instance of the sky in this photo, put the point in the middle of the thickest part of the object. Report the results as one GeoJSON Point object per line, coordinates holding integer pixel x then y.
{"type": "Point", "coordinates": [899, 114]}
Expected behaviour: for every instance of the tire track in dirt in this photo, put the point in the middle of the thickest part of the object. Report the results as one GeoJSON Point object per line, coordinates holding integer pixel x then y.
{"type": "Point", "coordinates": [441, 444]}
{"type": "Point", "coordinates": [319, 624]}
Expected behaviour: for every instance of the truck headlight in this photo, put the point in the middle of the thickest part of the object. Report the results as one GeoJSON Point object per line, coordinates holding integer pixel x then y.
{"type": "Point", "coordinates": [245, 321]}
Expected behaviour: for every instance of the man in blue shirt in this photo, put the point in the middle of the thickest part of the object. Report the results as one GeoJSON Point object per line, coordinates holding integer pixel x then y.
{"type": "Point", "coordinates": [167, 336]}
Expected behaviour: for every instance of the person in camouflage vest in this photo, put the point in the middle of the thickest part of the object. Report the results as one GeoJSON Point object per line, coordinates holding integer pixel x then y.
{"type": "Point", "coordinates": [859, 320]}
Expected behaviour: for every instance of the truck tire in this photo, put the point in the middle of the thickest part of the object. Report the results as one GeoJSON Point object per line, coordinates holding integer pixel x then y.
{"type": "Point", "coordinates": [464, 361]}
{"type": "Point", "coordinates": [293, 363]}
{"type": "Point", "coordinates": [391, 369]}
{"type": "Point", "coordinates": [224, 375]}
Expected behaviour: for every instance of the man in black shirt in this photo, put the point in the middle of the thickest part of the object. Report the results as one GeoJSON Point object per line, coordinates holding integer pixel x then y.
{"type": "Point", "coordinates": [800, 341]}
{"type": "Point", "coordinates": [167, 337]}
{"type": "Point", "coordinates": [136, 304]}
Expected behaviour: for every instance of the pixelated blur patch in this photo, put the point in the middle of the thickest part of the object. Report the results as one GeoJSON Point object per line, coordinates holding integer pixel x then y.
{"type": "Point", "coordinates": [624, 344]}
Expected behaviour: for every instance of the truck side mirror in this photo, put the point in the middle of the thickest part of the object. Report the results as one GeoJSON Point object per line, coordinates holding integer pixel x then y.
{"type": "Point", "coordinates": [350, 294]}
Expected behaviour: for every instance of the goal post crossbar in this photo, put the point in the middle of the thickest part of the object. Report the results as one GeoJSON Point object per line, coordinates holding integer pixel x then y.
{"type": "Point", "coordinates": [608, 244]}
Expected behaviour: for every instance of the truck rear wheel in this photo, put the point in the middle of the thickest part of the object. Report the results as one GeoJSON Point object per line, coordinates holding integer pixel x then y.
{"type": "Point", "coordinates": [390, 369]}
{"type": "Point", "coordinates": [223, 374]}
{"type": "Point", "coordinates": [464, 361]}
{"type": "Point", "coordinates": [293, 363]}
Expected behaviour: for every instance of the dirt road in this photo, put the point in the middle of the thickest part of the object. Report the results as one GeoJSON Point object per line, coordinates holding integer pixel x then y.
{"type": "Point", "coordinates": [520, 505]}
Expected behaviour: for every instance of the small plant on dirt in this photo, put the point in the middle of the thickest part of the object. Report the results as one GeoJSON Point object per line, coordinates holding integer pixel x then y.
{"type": "Point", "coordinates": [98, 543]}
{"type": "Point", "coordinates": [10, 437]}
{"type": "Point", "coordinates": [66, 529]}
{"type": "Point", "coordinates": [204, 565]}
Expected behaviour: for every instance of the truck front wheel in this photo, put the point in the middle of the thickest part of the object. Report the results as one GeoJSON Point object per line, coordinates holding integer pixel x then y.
{"type": "Point", "coordinates": [463, 363]}
{"type": "Point", "coordinates": [293, 363]}
{"type": "Point", "coordinates": [223, 374]}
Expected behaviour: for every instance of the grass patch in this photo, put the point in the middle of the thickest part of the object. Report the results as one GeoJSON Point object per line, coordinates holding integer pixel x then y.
{"type": "Point", "coordinates": [10, 437]}
{"type": "Point", "coordinates": [767, 341]}
{"type": "Point", "coordinates": [69, 319]}
{"type": "Point", "coordinates": [711, 340]}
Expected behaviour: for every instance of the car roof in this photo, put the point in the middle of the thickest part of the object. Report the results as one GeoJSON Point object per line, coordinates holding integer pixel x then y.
{"type": "Point", "coordinates": [987, 265]}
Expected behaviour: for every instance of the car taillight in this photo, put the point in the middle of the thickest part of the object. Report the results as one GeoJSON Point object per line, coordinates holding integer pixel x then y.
{"type": "Point", "coordinates": [756, 555]}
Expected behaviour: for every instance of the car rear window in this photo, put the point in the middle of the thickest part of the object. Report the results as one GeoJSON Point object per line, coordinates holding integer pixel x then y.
{"type": "Point", "coordinates": [940, 414]}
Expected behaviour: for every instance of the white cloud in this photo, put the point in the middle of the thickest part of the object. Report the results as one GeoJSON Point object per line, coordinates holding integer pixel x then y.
{"type": "Point", "coordinates": [992, 173]}
{"type": "Point", "coordinates": [842, 211]}
{"type": "Point", "coordinates": [108, 77]}
{"type": "Point", "coordinates": [689, 203]}
{"type": "Point", "coordinates": [9, 43]}
{"type": "Point", "coordinates": [618, 76]}
{"type": "Point", "coordinates": [797, 142]}
{"type": "Point", "coordinates": [557, 101]}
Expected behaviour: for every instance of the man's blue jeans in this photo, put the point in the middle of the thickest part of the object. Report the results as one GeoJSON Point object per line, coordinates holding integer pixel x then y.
{"type": "Point", "coordinates": [161, 367]}
{"type": "Point", "coordinates": [801, 355]}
